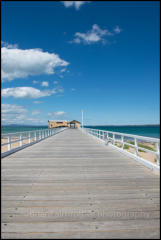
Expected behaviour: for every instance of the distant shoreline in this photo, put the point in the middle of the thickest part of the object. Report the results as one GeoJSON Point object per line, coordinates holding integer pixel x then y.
{"type": "Point", "coordinates": [135, 125]}
{"type": "Point", "coordinates": [100, 125]}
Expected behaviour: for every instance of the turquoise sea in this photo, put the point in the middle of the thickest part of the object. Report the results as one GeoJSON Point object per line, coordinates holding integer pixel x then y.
{"type": "Point", "coordinates": [142, 130]}
{"type": "Point", "coordinates": [16, 128]}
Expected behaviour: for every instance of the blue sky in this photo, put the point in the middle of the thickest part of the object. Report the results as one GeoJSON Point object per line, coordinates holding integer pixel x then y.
{"type": "Point", "coordinates": [61, 57]}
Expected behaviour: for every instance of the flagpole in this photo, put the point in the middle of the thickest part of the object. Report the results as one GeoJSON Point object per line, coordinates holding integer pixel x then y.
{"type": "Point", "coordinates": [82, 118]}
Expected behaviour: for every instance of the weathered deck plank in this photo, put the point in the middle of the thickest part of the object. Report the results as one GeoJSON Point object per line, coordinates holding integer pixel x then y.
{"type": "Point", "coordinates": [71, 186]}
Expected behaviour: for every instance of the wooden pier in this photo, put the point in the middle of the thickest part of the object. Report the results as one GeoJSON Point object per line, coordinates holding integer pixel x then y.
{"type": "Point", "coordinates": [72, 186]}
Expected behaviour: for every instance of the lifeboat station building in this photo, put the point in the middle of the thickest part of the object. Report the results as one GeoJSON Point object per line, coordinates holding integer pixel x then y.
{"type": "Point", "coordinates": [63, 123]}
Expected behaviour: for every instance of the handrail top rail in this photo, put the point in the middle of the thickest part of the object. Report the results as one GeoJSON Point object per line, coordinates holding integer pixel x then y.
{"type": "Point", "coordinates": [129, 135]}
{"type": "Point", "coordinates": [6, 134]}
{"type": "Point", "coordinates": [42, 134]}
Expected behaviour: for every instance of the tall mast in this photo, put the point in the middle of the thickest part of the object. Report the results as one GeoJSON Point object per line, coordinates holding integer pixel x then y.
{"type": "Point", "coordinates": [82, 118]}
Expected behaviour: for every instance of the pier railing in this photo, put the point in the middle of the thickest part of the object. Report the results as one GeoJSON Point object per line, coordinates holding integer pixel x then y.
{"type": "Point", "coordinates": [123, 142]}
{"type": "Point", "coordinates": [12, 142]}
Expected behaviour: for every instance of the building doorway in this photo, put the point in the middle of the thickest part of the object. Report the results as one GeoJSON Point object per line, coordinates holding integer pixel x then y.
{"type": "Point", "coordinates": [72, 125]}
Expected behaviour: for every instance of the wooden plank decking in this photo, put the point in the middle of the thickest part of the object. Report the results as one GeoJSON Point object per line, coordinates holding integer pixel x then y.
{"type": "Point", "coordinates": [71, 186]}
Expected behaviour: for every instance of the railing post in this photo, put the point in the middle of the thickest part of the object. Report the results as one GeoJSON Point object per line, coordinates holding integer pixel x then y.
{"type": "Point", "coordinates": [113, 138]}
{"type": "Point", "coordinates": [29, 137]}
{"type": "Point", "coordinates": [39, 135]}
{"type": "Point", "coordinates": [35, 137]}
{"type": "Point", "coordinates": [20, 140]}
{"type": "Point", "coordinates": [122, 141]}
{"type": "Point", "coordinates": [107, 138]}
{"type": "Point", "coordinates": [158, 153]}
{"type": "Point", "coordinates": [9, 143]}
{"type": "Point", "coordinates": [136, 147]}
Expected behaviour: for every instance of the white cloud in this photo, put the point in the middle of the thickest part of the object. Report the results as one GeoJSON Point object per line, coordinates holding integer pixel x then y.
{"type": "Point", "coordinates": [12, 108]}
{"type": "Point", "coordinates": [7, 45]}
{"type": "Point", "coordinates": [12, 113]}
{"type": "Point", "coordinates": [96, 34]}
{"type": "Point", "coordinates": [57, 114]}
{"type": "Point", "coordinates": [19, 63]}
{"type": "Point", "coordinates": [37, 102]}
{"type": "Point", "coordinates": [35, 82]}
{"type": "Point", "coordinates": [59, 89]}
{"type": "Point", "coordinates": [73, 89]}
{"type": "Point", "coordinates": [117, 29]}
{"type": "Point", "coordinates": [26, 92]}
{"type": "Point", "coordinates": [45, 84]}
{"type": "Point", "coordinates": [55, 82]}
{"type": "Point", "coordinates": [35, 121]}
{"type": "Point", "coordinates": [29, 92]}
{"type": "Point", "coordinates": [17, 114]}
{"type": "Point", "coordinates": [76, 4]}
{"type": "Point", "coordinates": [63, 70]}
{"type": "Point", "coordinates": [35, 112]}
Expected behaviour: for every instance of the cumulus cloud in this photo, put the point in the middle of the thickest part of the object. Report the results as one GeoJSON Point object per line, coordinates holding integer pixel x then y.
{"type": "Point", "coordinates": [29, 92]}
{"type": "Point", "coordinates": [12, 108]}
{"type": "Point", "coordinates": [12, 113]}
{"type": "Point", "coordinates": [76, 4]}
{"type": "Point", "coordinates": [19, 63]}
{"type": "Point", "coordinates": [26, 92]}
{"type": "Point", "coordinates": [17, 114]}
{"type": "Point", "coordinates": [45, 84]}
{"type": "Point", "coordinates": [96, 34]}
{"type": "Point", "coordinates": [7, 45]}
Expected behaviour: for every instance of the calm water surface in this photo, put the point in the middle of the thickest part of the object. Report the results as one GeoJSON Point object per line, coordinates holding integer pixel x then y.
{"type": "Point", "coordinates": [148, 131]}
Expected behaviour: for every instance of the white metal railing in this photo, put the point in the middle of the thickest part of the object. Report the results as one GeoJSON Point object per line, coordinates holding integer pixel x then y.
{"type": "Point", "coordinates": [24, 139]}
{"type": "Point", "coordinates": [125, 139]}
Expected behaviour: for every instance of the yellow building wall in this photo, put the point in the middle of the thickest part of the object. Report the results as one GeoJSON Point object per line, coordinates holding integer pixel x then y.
{"type": "Point", "coordinates": [53, 124]}
{"type": "Point", "coordinates": [77, 125]}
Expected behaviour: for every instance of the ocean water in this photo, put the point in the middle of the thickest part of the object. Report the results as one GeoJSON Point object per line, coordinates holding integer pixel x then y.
{"type": "Point", "coordinates": [13, 129]}
{"type": "Point", "coordinates": [147, 131]}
